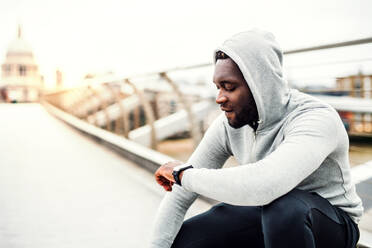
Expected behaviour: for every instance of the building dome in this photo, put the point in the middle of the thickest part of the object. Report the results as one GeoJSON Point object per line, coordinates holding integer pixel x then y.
{"type": "Point", "coordinates": [19, 46]}
{"type": "Point", "coordinates": [19, 68]}
{"type": "Point", "coordinates": [19, 51]}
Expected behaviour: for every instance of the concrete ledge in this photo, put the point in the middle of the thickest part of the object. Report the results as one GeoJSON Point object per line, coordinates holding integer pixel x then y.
{"type": "Point", "coordinates": [137, 153]}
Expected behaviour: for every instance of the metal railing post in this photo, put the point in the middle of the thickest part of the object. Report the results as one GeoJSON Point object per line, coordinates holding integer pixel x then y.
{"type": "Point", "coordinates": [121, 123]}
{"type": "Point", "coordinates": [150, 119]}
{"type": "Point", "coordinates": [195, 132]}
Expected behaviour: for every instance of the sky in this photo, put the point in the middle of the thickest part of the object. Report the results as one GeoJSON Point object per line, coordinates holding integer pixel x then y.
{"type": "Point", "coordinates": [129, 37]}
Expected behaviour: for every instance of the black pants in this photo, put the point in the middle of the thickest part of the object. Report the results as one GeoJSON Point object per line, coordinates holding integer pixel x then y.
{"type": "Point", "coordinates": [298, 219]}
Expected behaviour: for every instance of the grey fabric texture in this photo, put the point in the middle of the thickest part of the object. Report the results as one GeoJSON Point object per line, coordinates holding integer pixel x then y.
{"type": "Point", "coordinates": [300, 143]}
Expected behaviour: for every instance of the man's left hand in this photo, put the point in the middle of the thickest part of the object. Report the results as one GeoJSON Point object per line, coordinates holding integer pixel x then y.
{"type": "Point", "coordinates": [164, 176]}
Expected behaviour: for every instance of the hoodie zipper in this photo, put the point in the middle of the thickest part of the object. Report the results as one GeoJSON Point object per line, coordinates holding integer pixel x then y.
{"type": "Point", "coordinates": [255, 133]}
{"type": "Point", "coordinates": [253, 157]}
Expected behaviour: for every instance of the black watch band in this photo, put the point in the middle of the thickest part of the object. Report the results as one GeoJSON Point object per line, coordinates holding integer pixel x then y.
{"type": "Point", "coordinates": [176, 174]}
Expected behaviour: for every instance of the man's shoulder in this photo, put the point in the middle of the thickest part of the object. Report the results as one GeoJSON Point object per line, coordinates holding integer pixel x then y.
{"type": "Point", "coordinates": [309, 109]}
{"type": "Point", "coordinates": [308, 105]}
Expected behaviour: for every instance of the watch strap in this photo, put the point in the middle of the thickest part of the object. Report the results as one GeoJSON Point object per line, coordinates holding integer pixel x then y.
{"type": "Point", "coordinates": [176, 174]}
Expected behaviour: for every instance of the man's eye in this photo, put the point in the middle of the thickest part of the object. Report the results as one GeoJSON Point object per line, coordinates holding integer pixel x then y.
{"type": "Point", "coordinates": [229, 88]}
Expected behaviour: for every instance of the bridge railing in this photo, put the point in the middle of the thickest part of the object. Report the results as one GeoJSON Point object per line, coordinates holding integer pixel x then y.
{"type": "Point", "coordinates": [123, 105]}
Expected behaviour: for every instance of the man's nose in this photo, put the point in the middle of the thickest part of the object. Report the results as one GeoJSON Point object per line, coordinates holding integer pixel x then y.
{"type": "Point", "coordinates": [220, 98]}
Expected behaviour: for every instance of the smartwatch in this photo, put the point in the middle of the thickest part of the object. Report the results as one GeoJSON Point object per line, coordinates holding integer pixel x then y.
{"type": "Point", "coordinates": [177, 171]}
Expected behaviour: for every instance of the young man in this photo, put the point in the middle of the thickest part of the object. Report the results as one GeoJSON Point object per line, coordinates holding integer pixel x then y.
{"type": "Point", "coordinates": [293, 185]}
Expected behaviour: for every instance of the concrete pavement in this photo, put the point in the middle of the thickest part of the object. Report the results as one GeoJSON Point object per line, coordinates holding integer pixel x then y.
{"type": "Point", "coordinates": [59, 188]}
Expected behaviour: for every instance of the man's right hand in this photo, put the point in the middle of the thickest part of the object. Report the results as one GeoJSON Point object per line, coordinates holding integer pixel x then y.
{"type": "Point", "coordinates": [164, 176]}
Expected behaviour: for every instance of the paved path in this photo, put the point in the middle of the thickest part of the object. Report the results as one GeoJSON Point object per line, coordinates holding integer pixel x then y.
{"type": "Point", "coordinates": [59, 188]}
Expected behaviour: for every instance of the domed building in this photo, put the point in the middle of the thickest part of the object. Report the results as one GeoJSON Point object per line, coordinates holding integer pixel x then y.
{"type": "Point", "coordinates": [20, 78]}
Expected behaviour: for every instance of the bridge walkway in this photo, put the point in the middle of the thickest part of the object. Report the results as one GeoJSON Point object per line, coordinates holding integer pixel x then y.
{"type": "Point", "coordinates": [59, 188]}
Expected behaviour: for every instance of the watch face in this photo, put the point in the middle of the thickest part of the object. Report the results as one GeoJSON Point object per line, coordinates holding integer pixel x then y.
{"type": "Point", "coordinates": [177, 170]}
{"type": "Point", "coordinates": [175, 175]}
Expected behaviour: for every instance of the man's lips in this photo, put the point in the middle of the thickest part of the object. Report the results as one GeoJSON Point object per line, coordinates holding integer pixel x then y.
{"type": "Point", "coordinates": [228, 112]}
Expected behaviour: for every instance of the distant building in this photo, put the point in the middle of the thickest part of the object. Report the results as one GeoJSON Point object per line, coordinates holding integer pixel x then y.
{"type": "Point", "coordinates": [20, 78]}
{"type": "Point", "coordinates": [356, 85]}
{"type": "Point", "coordinates": [359, 86]}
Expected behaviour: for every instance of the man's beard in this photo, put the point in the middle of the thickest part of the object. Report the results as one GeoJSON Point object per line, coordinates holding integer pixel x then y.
{"type": "Point", "coordinates": [243, 117]}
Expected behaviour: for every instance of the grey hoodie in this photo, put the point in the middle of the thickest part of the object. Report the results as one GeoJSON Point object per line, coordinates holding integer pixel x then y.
{"type": "Point", "coordinates": [300, 143]}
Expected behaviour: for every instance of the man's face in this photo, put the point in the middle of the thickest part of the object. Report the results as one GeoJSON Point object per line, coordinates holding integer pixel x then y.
{"type": "Point", "coordinates": [234, 96]}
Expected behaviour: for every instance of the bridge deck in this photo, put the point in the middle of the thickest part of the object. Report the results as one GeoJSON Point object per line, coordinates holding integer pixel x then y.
{"type": "Point", "coordinates": [59, 188]}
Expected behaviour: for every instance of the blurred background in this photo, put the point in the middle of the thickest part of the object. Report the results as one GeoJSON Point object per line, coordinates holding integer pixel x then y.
{"type": "Point", "coordinates": [137, 77]}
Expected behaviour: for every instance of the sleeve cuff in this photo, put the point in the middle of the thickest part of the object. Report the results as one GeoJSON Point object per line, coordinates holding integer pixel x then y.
{"type": "Point", "coordinates": [187, 179]}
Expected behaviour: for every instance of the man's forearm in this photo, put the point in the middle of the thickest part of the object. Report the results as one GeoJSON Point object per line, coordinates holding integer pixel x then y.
{"type": "Point", "coordinates": [170, 217]}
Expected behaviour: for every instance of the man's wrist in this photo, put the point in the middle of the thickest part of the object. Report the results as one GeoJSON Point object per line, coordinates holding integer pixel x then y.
{"type": "Point", "coordinates": [181, 175]}
{"type": "Point", "coordinates": [178, 172]}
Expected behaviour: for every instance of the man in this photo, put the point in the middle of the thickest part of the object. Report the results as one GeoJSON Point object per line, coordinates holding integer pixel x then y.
{"type": "Point", "coordinates": [293, 185]}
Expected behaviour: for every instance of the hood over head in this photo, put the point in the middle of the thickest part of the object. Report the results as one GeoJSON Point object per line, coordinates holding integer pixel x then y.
{"type": "Point", "coordinates": [259, 58]}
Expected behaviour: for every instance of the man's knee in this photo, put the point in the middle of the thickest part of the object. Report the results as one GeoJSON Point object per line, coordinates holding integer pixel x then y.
{"type": "Point", "coordinates": [302, 219]}
{"type": "Point", "coordinates": [198, 230]}
{"type": "Point", "coordinates": [285, 214]}
{"type": "Point", "coordinates": [222, 224]}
